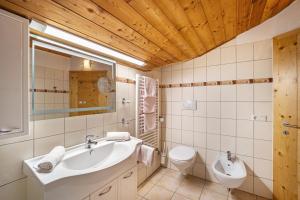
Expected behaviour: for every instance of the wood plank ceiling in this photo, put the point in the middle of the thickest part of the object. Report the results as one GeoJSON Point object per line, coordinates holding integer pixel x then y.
{"type": "Point", "coordinates": [155, 31]}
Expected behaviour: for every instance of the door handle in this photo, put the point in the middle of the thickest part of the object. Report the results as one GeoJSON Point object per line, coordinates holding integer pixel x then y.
{"type": "Point", "coordinates": [286, 124]}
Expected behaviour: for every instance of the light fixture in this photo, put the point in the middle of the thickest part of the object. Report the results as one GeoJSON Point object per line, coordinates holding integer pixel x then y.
{"type": "Point", "coordinates": [45, 28]}
{"type": "Point", "coordinates": [86, 64]}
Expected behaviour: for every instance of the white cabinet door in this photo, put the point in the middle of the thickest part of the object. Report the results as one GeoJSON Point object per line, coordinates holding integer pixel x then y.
{"type": "Point", "coordinates": [128, 185]}
{"type": "Point", "coordinates": [109, 192]}
{"type": "Point", "coordinates": [13, 73]}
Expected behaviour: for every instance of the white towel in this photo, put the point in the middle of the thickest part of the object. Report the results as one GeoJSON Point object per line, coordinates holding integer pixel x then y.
{"type": "Point", "coordinates": [150, 87]}
{"type": "Point", "coordinates": [117, 136]}
{"type": "Point", "coordinates": [49, 161]}
{"type": "Point", "coordinates": [146, 155]}
{"type": "Point", "coordinates": [149, 122]}
{"type": "Point", "coordinates": [149, 104]}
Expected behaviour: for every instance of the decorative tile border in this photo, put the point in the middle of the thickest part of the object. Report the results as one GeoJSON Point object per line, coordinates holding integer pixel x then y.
{"type": "Point", "coordinates": [212, 83]}
{"type": "Point", "coordinates": [209, 83]}
{"type": "Point", "coordinates": [125, 80]}
{"type": "Point", "coordinates": [49, 91]}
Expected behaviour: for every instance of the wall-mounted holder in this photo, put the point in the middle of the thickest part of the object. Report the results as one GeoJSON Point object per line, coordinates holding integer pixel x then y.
{"type": "Point", "coordinates": [124, 101]}
{"type": "Point", "coordinates": [124, 122]}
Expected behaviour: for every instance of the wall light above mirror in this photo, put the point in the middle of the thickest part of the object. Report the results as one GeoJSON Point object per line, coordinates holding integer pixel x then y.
{"type": "Point", "coordinates": [67, 81]}
{"type": "Point", "coordinates": [55, 32]}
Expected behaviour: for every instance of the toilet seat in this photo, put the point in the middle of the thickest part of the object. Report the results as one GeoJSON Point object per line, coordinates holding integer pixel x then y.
{"type": "Point", "coordinates": [182, 153]}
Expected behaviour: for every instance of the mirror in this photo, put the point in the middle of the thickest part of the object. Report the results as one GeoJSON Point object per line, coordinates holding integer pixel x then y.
{"type": "Point", "coordinates": [70, 82]}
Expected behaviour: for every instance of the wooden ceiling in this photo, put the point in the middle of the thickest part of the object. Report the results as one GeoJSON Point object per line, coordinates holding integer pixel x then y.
{"type": "Point", "coordinates": [155, 31]}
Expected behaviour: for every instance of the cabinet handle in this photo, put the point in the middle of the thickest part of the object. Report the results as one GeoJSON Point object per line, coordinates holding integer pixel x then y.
{"type": "Point", "coordinates": [4, 131]}
{"type": "Point", "coordinates": [127, 176]}
{"type": "Point", "coordinates": [105, 191]}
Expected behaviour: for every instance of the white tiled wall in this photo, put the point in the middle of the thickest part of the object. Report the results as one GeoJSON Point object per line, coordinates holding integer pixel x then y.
{"type": "Point", "coordinates": [64, 131]}
{"type": "Point", "coordinates": [222, 120]}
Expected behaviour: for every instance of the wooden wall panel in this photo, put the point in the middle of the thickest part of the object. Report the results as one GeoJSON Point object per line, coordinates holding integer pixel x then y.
{"type": "Point", "coordinates": [157, 32]}
{"type": "Point", "coordinates": [51, 10]}
{"type": "Point", "coordinates": [149, 10]}
{"type": "Point", "coordinates": [229, 13]}
{"type": "Point", "coordinates": [198, 20]}
{"type": "Point", "coordinates": [133, 19]}
{"type": "Point", "coordinates": [285, 104]}
{"type": "Point", "coordinates": [176, 15]}
{"type": "Point", "coordinates": [213, 12]}
{"type": "Point", "coordinates": [92, 12]}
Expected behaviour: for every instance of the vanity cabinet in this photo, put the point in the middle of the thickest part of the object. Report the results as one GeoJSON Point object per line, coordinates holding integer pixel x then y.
{"type": "Point", "coordinates": [14, 48]}
{"type": "Point", "coordinates": [123, 188]}
{"type": "Point", "coordinates": [128, 185]}
{"type": "Point", "coordinates": [109, 192]}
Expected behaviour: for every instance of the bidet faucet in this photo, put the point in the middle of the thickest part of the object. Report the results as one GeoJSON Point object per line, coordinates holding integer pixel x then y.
{"type": "Point", "coordinates": [89, 141]}
{"type": "Point", "coordinates": [229, 156]}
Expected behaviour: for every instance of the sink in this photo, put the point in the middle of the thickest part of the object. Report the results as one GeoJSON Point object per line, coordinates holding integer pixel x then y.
{"type": "Point", "coordinates": [99, 156]}
{"type": "Point", "coordinates": [79, 160]}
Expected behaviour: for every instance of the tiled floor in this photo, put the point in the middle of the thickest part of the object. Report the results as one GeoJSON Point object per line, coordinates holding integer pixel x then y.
{"type": "Point", "coordinates": [167, 184]}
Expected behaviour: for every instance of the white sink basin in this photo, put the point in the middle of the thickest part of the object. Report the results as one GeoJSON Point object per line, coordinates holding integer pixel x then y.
{"type": "Point", "coordinates": [79, 160]}
{"type": "Point", "coordinates": [102, 155]}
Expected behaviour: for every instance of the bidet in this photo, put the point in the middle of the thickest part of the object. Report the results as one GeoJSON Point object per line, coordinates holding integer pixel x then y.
{"type": "Point", "coordinates": [231, 173]}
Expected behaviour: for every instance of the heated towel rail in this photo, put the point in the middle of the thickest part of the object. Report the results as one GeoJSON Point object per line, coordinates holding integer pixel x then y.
{"type": "Point", "coordinates": [151, 138]}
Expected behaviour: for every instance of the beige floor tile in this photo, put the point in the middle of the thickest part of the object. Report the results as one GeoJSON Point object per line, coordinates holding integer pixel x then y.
{"type": "Point", "coordinates": [189, 190]}
{"type": "Point", "coordinates": [215, 187]}
{"type": "Point", "coordinates": [261, 198]}
{"type": "Point", "coordinates": [211, 195]}
{"type": "Point", "coordinates": [140, 198]}
{"type": "Point", "coordinates": [169, 183]}
{"type": "Point", "coordinates": [159, 193]}
{"type": "Point", "coordinates": [156, 176]}
{"type": "Point", "coordinates": [145, 188]}
{"type": "Point", "coordinates": [179, 197]}
{"type": "Point", "coordinates": [174, 174]}
{"type": "Point", "coordinates": [240, 195]}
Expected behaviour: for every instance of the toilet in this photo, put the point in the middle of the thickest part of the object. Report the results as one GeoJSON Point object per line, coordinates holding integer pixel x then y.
{"type": "Point", "coordinates": [182, 157]}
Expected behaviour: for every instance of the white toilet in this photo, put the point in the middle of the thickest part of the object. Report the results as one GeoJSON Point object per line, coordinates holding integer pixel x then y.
{"type": "Point", "coordinates": [182, 157]}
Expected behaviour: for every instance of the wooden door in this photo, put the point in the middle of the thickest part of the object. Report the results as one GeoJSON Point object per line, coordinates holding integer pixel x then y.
{"type": "Point", "coordinates": [286, 107]}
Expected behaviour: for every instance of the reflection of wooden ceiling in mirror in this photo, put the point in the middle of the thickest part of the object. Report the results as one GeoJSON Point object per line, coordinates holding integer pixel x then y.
{"type": "Point", "coordinates": [156, 31]}
{"type": "Point", "coordinates": [52, 51]}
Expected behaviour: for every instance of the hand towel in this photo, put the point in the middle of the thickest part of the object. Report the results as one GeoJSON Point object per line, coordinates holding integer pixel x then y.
{"type": "Point", "coordinates": [117, 136]}
{"type": "Point", "coordinates": [49, 161]}
{"type": "Point", "coordinates": [149, 122]}
{"type": "Point", "coordinates": [150, 87]}
{"type": "Point", "coordinates": [146, 155]}
{"type": "Point", "coordinates": [149, 104]}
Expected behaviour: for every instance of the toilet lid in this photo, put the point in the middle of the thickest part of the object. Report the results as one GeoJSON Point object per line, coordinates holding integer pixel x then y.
{"type": "Point", "coordinates": [182, 153]}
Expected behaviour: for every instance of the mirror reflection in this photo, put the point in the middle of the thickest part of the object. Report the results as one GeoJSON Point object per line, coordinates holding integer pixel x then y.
{"type": "Point", "coordinates": [67, 83]}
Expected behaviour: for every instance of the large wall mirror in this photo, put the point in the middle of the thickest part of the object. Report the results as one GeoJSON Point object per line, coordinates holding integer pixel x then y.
{"type": "Point", "coordinates": [69, 82]}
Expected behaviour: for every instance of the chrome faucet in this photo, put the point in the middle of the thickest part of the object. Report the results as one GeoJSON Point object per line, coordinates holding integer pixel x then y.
{"type": "Point", "coordinates": [229, 157]}
{"type": "Point", "coordinates": [89, 141]}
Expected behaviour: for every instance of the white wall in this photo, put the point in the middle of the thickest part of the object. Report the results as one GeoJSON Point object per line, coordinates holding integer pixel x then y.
{"type": "Point", "coordinates": [64, 131]}
{"type": "Point", "coordinates": [222, 120]}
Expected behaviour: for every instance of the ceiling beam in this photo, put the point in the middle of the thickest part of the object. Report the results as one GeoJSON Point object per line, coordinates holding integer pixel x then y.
{"type": "Point", "coordinates": [175, 13]}
{"type": "Point", "coordinates": [197, 18]}
{"type": "Point", "coordinates": [59, 14]}
{"type": "Point", "coordinates": [229, 15]}
{"type": "Point", "coordinates": [152, 13]}
{"type": "Point", "coordinates": [93, 12]}
{"type": "Point", "coordinates": [273, 7]}
{"type": "Point", "coordinates": [213, 12]}
{"type": "Point", "coordinates": [125, 13]}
